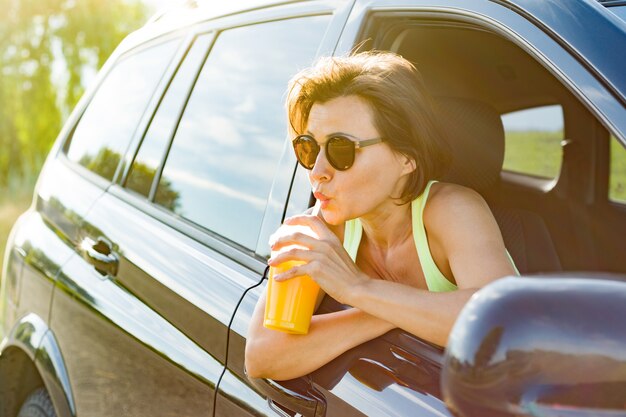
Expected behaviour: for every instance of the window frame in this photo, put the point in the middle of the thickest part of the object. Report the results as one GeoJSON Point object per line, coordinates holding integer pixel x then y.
{"type": "Point", "coordinates": [118, 55]}
{"type": "Point", "coordinates": [135, 147]}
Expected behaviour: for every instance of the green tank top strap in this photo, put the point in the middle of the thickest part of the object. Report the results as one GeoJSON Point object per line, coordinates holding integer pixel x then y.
{"type": "Point", "coordinates": [352, 237]}
{"type": "Point", "coordinates": [435, 280]}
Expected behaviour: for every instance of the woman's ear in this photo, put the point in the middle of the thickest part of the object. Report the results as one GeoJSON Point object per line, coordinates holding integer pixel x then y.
{"type": "Point", "coordinates": [408, 165]}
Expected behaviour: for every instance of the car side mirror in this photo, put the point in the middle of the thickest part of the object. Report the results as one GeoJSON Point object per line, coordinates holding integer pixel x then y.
{"type": "Point", "coordinates": [540, 346]}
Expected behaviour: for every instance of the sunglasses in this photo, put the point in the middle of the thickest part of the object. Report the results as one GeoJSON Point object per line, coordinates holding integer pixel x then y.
{"type": "Point", "coordinates": [340, 150]}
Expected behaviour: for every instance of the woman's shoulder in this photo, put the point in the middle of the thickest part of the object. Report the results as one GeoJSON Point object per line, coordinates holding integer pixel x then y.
{"type": "Point", "coordinates": [447, 193]}
{"type": "Point", "coordinates": [449, 203]}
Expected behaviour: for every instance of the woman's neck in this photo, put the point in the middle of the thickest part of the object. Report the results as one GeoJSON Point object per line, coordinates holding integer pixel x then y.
{"type": "Point", "coordinates": [388, 226]}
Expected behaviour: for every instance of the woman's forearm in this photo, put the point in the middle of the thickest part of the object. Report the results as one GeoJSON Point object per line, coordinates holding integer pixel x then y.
{"type": "Point", "coordinates": [428, 315]}
{"type": "Point", "coordinates": [276, 355]}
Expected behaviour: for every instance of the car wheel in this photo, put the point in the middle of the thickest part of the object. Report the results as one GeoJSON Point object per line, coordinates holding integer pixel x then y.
{"type": "Point", "coordinates": [37, 404]}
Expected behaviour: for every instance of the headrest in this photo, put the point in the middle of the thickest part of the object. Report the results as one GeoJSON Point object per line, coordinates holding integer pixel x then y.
{"type": "Point", "coordinates": [476, 136]}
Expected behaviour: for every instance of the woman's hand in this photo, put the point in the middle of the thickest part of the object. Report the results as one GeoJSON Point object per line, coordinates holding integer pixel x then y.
{"type": "Point", "coordinates": [327, 262]}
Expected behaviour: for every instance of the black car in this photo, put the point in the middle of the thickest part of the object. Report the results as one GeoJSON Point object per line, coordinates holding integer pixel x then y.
{"type": "Point", "coordinates": [129, 284]}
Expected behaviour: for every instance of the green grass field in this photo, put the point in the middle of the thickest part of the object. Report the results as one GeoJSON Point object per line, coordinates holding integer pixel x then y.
{"type": "Point", "coordinates": [617, 180]}
{"type": "Point", "coordinates": [533, 152]}
{"type": "Point", "coordinates": [539, 153]}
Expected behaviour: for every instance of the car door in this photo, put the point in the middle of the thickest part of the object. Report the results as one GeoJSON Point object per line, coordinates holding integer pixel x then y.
{"type": "Point", "coordinates": [167, 252]}
{"type": "Point", "coordinates": [399, 374]}
{"type": "Point", "coordinates": [130, 322]}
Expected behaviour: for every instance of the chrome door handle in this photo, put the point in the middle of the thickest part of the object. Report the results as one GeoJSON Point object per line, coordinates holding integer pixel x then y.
{"type": "Point", "coordinates": [100, 254]}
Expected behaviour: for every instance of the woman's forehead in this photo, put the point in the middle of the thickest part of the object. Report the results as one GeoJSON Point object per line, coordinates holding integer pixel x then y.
{"type": "Point", "coordinates": [351, 115]}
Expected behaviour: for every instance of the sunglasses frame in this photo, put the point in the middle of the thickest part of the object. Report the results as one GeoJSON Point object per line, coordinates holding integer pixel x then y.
{"type": "Point", "coordinates": [357, 144]}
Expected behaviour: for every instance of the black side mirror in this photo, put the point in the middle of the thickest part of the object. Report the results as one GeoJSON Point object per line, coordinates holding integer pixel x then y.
{"type": "Point", "coordinates": [540, 346]}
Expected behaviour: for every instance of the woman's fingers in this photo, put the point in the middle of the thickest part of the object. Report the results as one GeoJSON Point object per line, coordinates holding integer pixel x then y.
{"type": "Point", "coordinates": [290, 273]}
{"type": "Point", "coordinates": [314, 222]}
{"type": "Point", "coordinates": [295, 238]}
{"type": "Point", "coordinates": [299, 270]}
{"type": "Point", "coordinates": [295, 254]}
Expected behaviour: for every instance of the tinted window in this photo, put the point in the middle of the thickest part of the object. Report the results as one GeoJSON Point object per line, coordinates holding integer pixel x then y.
{"type": "Point", "coordinates": [222, 162]}
{"type": "Point", "coordinates": [533, 141]}
{"type": "Point", "coordinates": [108, 123]}
{"type": "Point", "coordinates": [164, 122]}
{"type": "Point", "coordinates": [617, 176]}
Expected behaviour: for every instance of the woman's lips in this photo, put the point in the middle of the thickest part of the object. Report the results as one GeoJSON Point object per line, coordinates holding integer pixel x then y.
{"type": "Point", "coordinates": [323, 199]}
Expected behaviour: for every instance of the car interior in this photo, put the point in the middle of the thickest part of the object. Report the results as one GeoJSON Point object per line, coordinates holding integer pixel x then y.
{"type": "Point", "coordinates": [550, 225]}
{"type": "Point", "coordinates": [566, 223]}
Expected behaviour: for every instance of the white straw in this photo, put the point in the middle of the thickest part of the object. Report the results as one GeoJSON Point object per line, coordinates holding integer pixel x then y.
{"type": "Point", "coordinates": [316, 208]}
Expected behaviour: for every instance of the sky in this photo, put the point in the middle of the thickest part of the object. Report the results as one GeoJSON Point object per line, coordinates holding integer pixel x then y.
{"type": "Point", "coordinates": [158, 4]}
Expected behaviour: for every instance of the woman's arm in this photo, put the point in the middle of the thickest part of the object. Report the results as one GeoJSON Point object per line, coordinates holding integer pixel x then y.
{"type": "Point", "coordinates": [462, 230]}
{"type": "Point", "coordinates": [427, 315]}
{"type": "Point", "coordinates": [464, 239]}
{"type": "Point", "coordinates": [277, 355]}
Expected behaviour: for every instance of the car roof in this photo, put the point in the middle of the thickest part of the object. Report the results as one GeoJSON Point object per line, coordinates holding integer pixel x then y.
{"type": "Point", "coordinates": [192, 12]}
{"type": "Point", "coordinates": [591, 33]}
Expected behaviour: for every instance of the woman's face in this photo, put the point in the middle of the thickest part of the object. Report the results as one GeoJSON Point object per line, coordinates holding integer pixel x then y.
{"type": "Point", "coordinates": [377, 175]}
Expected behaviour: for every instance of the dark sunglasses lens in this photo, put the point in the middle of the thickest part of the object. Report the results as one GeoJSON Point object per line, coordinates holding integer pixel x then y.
{"type": "Point", "coordinates": [306, 151]}
{"type": "Point", "coordinates": [340, 152]}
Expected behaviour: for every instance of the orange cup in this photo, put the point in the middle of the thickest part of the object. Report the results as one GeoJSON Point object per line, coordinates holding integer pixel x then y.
{"type": "Point", "coordinates": [290, 304]}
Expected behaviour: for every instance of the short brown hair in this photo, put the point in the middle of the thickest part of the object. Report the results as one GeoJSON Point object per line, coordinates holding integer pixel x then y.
{"type": "Point", "coordinates": [395, 90]}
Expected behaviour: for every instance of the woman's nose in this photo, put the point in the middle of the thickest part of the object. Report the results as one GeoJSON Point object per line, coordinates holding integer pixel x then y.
{"type": "Point", "coordinates": [322, 170]}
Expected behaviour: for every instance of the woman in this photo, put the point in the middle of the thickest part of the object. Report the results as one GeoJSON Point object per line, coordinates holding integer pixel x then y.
{"type": "Point", "coordinates": [402, 249]}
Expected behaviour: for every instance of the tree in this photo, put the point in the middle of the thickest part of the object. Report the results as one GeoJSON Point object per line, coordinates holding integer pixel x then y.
{"type": "Point", "coordinates": [48, 48]}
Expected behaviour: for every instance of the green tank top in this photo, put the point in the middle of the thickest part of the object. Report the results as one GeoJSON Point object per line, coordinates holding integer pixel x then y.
{"type": "Point", "coordinates": [435, 280]}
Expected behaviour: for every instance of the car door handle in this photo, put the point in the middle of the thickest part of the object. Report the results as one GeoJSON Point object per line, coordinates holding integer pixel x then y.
{"type": "Point", "coordinates": [100, 254]}
{"type": "Point", "coordinates": [294, 396]}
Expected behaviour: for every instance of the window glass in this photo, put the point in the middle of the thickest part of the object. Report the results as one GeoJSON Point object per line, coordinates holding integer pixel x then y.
{"type": "Point", "coordinates": [228, 143]}
{"type": "Point", "coordinates": [164, 122]}
{"type": "Point", "coordinates": [110, 120]}
{"type": "Point", "coordinates": [533, 141]}
{"type": "Point", "coordinates": [617, 176]}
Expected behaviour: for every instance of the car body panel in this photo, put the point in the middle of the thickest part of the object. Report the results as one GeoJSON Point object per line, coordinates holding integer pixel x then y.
{"type": "Point", "coordinates": [162, 315]}
{"type": "Point", "coordinates": [54, 374]}
{"type": "Point", "coordinates": [32, 336]}
{"type": "Point", "coordinates": [42, 239]}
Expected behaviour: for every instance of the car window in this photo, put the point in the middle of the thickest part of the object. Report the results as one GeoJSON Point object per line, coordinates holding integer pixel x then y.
{"type": "Point", "coordinates": [162, 127]}
{"type": "Point", "coordinates": [227, 146]}
{"type": "Point", "coordinates": [617, 176]}
{"type": "Point", "coordinates": [533, 141]}
{"type": "Point", "coordinates": [109, 122]}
